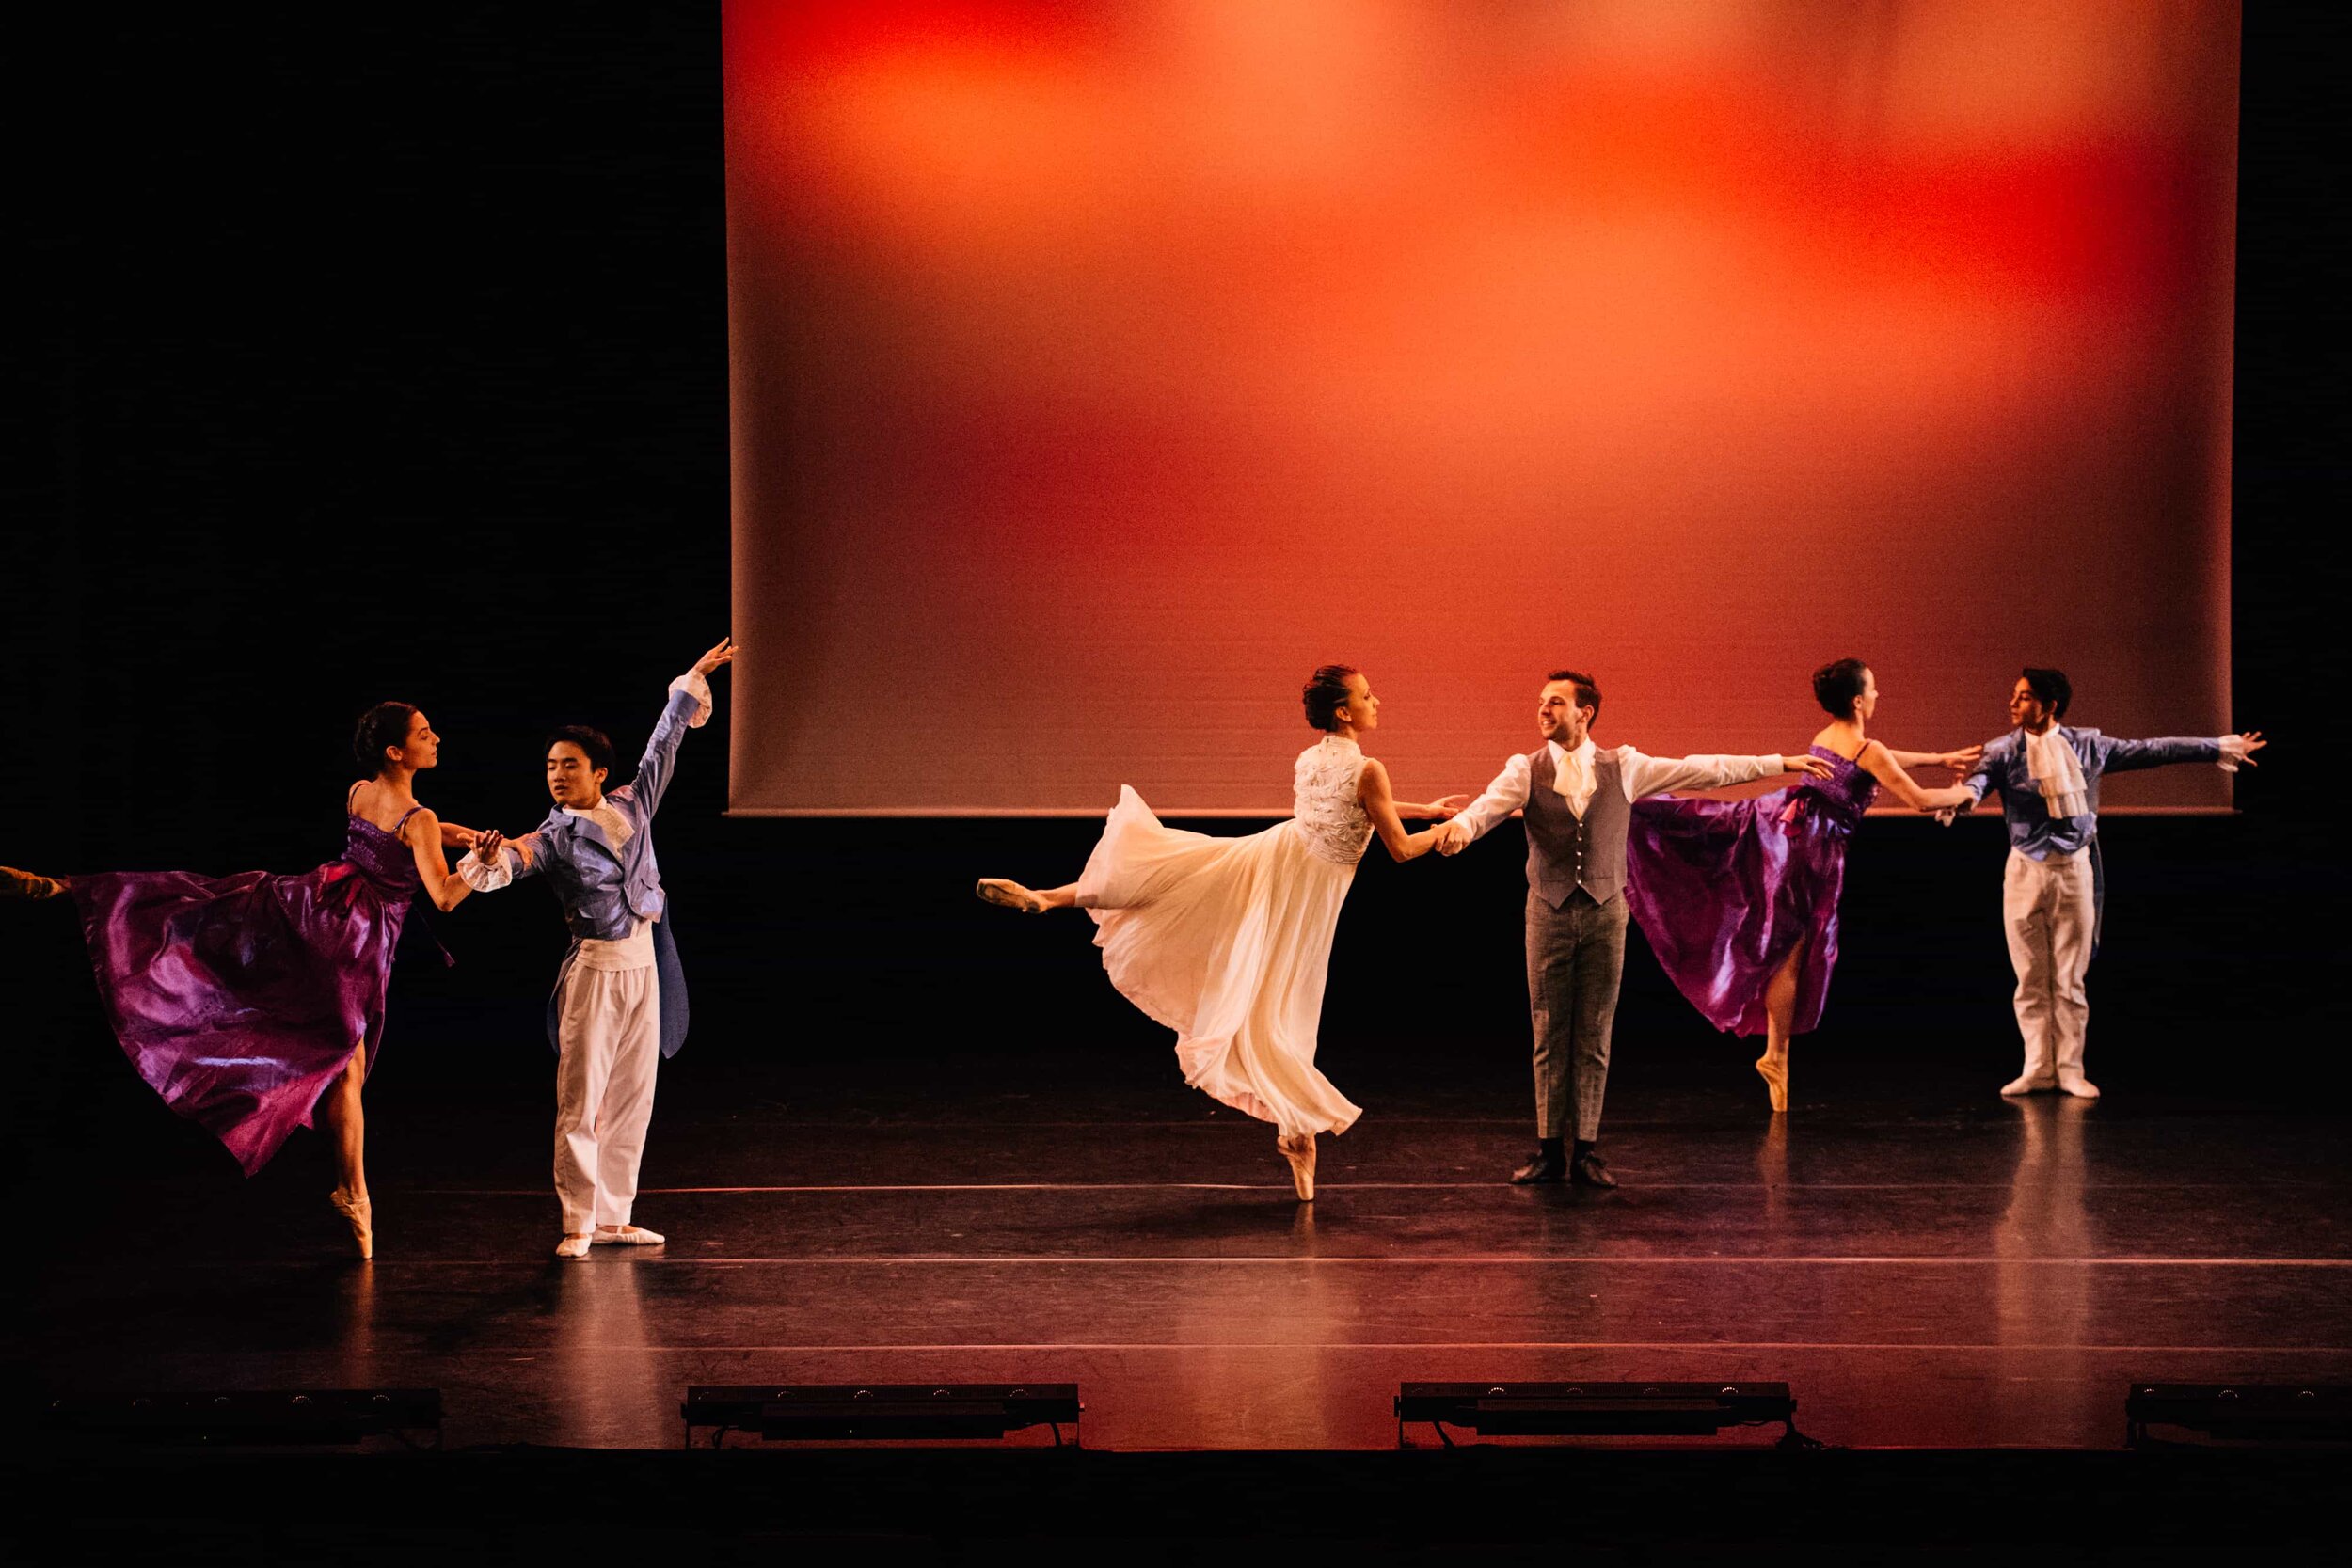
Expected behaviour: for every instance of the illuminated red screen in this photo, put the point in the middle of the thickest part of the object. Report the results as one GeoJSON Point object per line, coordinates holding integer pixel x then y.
{"type": "Point", "coordinates": [1099, 370]}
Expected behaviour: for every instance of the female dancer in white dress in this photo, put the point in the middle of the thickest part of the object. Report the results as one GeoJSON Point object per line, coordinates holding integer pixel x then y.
{"type": "Point", "coordinates": [1225, 940]}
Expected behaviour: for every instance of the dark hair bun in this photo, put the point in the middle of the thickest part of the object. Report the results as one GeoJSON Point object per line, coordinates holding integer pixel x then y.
{"type": "Point", "coordinates": [1836, 686]}
{"type": "Point", "coordinates": [383, 726]}
{"type": "Point", "coordinates": [1326, 693]}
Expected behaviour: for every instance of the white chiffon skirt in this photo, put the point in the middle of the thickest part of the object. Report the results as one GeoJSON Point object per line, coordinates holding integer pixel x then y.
{"type": "Point", "coordinates": [1225, 940]}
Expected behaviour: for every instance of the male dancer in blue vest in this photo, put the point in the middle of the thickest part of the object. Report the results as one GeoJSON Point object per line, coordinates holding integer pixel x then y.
{"type": "Point", "coordinates": [1576, 801]}
{"type": "Point", "coordinates": [620, 997]}
{"type": "Point", "coordinates": [2054, 888]}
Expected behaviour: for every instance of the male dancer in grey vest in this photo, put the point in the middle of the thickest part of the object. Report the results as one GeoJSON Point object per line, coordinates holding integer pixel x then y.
{"type": "Point", "coordinates": [1576, 801]}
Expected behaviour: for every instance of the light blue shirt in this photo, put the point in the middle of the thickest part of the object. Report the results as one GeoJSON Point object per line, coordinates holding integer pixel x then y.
{"type": "Point", "coordinates": [2032, 830]}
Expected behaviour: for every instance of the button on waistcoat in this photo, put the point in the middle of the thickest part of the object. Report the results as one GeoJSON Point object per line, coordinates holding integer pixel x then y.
{"type": "Point", "coordinates": [1566, 851]}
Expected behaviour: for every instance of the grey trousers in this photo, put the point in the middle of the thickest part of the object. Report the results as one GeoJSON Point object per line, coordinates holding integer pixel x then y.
{"type": "Point", "coordinates": [1575, 959]}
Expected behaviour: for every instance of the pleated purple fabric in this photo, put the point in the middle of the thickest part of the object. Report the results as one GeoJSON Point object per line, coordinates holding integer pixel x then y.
{"type": "Point", "coordinates": [1723, 890]}
{"type": "Point", "coordinates": [239, 999]}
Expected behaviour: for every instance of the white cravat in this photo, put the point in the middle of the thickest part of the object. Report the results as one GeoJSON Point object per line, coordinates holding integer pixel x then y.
{"type": "Point", "coordinates": [1572, 775]}
{"type": "Point", "coordinates": [608, 817]}
{"type": "Point", "coordinates": [2056, 772]}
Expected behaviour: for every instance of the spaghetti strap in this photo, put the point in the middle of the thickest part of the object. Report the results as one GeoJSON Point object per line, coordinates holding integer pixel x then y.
{"type": "Point", "coordinates": [412, 811]}
{"type": "Point", "coordinates": [349, 794]}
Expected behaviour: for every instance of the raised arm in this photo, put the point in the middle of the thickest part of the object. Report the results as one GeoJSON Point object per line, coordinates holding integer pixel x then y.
{"type": "Point", "coordinates": [1371, 788]}
{"type": "Point", "coordinates": [1879, 762]}
{"type": "Point", "coordinates": [688, 708]}
{"type": "Point", "coordinates": [422, 832]}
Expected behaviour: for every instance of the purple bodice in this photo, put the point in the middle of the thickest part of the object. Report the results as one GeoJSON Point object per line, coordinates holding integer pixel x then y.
{"type": "Point", "coordinates": [379, 854]}
{"type": "Point", "coordinates": [1835, 803]}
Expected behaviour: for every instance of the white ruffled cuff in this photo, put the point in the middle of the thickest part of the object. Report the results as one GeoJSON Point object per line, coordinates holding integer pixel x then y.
{"type": "Point", "coordinates": [2232, 753]}
{"type": "Point", "coordinates": [697, 686]}
{"type": "Point", "coordinates": [482, 877]}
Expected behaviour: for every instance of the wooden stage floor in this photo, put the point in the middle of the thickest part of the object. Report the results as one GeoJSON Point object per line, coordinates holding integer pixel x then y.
{"type": "Point", "coordinates": [1926, 1264]}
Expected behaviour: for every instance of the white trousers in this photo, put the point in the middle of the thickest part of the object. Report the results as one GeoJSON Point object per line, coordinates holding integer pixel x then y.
{"type": "Point", "coordinates": [609, 1046]}
{"type": "Point", "coordinates": [2048, 912]}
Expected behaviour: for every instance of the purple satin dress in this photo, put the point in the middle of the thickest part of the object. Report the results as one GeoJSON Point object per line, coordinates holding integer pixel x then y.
{"type": "Point", "coordinates": [1723, 890]}
{"type": "Point", "coordinates": [239, 999]}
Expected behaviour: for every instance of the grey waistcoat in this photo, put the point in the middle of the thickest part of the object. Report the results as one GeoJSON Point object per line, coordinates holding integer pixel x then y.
{"type": "Point", "coordinates": [1566, 851]}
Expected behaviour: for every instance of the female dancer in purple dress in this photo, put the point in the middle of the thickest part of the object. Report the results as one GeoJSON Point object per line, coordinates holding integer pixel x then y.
{"type": "Point", "coordinates": [1739, 898]}
{"type": "Point", "coordinates": [248, 1002]}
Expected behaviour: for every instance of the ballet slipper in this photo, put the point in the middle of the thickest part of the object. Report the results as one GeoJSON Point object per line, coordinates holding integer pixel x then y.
{"type": "Point", "coordinates": [359, 1215]}
{"type": "Point", "coordinates": [1775, 1076]}
{"type": "Point", "coordinates": [571, 1248]}
{"type": "Point", "coordinates": [1301, 1152]}
{"type": "Point", "coordinates": [626, 1235]}
{"type": "Point", "coordinates": [1012, 895]}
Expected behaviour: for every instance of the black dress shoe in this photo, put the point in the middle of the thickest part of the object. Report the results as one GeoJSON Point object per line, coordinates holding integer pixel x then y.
{"type": "Point", "coordinates": [1588, 1169]}
{"type": "Point", "coordinates": [1549, 1165]}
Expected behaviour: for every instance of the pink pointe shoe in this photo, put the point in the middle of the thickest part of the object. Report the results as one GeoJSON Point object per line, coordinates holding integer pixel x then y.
{"type": "Point", "coordinates": [359, 1215]}
{"type": "Point", "coordinates": [1301, 1152]}
{"type": "Point", "coordinates": [1012, 895]}
{"type": "Point", "coordinates": [1775, 1076]}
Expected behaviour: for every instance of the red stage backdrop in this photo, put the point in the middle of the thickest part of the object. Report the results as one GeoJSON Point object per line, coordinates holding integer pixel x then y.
{"type": "Point", "coordinates": [1099, 370]}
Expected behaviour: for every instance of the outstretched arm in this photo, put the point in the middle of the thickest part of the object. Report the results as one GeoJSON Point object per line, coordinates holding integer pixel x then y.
{"type": "Point", "coordinates": [1880, 763]}
{"type": "Point", "coordinates": [495, 861]}
{"type": "Point", "coordinates": [688, 708]}
{"type": "Point", "coordinates": [2228, 751]}
{"type": "Point", "coordinates": [1507, 794]}
{"type": "Point", "coordinates": [1371, 788]}
{"type": "Point", "coordinates": [1960, 761]}
{"type": "Point", "coordinates": [1646, 775]}
{"type": "Point", "coordinates": [446, 887]}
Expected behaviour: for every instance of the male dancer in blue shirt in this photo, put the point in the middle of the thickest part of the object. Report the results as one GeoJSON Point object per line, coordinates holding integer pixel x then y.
{"type": "Point", "coordinates": [620, 997]}
{"type": "Point", "coordinates": [2053, 890]}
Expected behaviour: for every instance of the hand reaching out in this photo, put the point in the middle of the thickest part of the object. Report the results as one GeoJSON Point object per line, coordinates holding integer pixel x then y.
{"type": "Point", "coordinates": [2251, 741]}
{"type": "Point", "coordinates": [1448, 807]}
{"type": "Point", "coordinates": [723, 653]}
{"type": "Point", "coordinates": [1809, 763]}
{"type": "Point", "coordinates": [1963, 761]}
{"type": "Point", "coordinates": [487, 845]}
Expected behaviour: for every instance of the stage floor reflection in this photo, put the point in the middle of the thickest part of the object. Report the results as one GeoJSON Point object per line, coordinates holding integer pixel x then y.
{"type": "Point", "coordinates": [1926, 1264]}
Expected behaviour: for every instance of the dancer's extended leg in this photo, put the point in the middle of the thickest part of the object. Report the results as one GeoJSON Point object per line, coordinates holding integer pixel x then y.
{"type": "Point", "coordinates": [347, 1121]}
{"type": "Point", "coordinates": [1012, 895]}
{"type": "Point", "coordinates": [1780, 1016]}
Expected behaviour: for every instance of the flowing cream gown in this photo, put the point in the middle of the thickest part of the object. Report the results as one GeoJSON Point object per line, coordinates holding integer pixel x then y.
{"type": "Point", "coordinates": [1225, 940]}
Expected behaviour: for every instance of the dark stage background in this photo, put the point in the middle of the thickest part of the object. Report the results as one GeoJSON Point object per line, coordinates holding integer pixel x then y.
{"type": "Point", "coordinates": [388, 358]}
